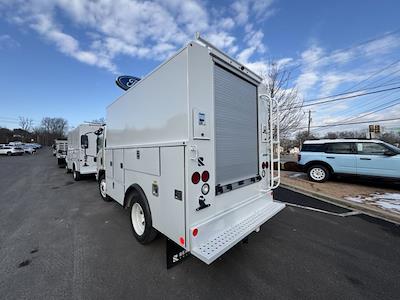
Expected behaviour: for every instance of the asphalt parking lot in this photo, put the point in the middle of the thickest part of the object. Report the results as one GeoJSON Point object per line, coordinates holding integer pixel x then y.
{"type": "Point", "coordinates": [59, 240]}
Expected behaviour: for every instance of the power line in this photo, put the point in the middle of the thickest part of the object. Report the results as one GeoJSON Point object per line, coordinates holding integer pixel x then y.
{"type": "Point", "coordinates": [372, 112]}
{"type": "Point", "coordinates": [377, 110]}
{"type": "Point", "coordinates": [370, 101]}
{"type": "Point", "coordinates": [343, 98]}
{"type": "Point", "coordinates": [351, 92]}
{"type": "Point", "coordinates": [374, 74]}
{"type": "Point", "coordinates": [353, 123]}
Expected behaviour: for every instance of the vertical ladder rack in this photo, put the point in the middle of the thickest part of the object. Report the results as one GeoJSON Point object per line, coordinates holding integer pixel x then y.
{"type": "Point", "coordinates": [274, 140]}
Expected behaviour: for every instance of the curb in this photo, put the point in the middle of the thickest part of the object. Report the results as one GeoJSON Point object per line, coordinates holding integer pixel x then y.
{"type": "Point", "coordinates": [377, 213]}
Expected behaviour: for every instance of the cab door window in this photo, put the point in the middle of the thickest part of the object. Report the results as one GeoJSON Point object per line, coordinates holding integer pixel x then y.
{"type": "Point", "coordinates": [370, 149]}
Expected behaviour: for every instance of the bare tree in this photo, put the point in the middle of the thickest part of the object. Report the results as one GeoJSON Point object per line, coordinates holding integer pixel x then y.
{"type": "Point", "coordinates": [50, 129]}
{"type": "Point", "coordinates": [277, 84]}
{"type": "Point", "coordinates": [302, 136]}
{"type": "Point", "coordinates": [25, 123]}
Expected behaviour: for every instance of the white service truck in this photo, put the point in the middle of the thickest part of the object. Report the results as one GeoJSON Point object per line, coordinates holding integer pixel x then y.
{"type": "Point", "coordinates": [190, 151]}
{"type": "Point", "coordinates": [82, 150]}
{"type": "Point", "coordinates": [61, 147]}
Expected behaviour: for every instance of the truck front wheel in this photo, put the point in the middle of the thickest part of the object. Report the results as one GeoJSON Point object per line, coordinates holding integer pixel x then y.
{"type": "Point", "coordinates": [76, 174]}
{"type": "Point", "coordinates": [142, 224]}
{"type": "Point", "coordinates": [102, 188]}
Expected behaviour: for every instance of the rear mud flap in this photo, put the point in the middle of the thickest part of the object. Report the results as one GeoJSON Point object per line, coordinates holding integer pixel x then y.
{"type": "Point", "coordinates": [175, 253]}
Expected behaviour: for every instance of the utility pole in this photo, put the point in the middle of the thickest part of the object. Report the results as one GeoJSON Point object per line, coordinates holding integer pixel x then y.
{"type": "Point", "coordinates": [309, 122]}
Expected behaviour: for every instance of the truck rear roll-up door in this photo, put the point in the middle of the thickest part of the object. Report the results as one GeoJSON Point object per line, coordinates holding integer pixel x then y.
{"type": "Point", "coordinates": [235, 127]}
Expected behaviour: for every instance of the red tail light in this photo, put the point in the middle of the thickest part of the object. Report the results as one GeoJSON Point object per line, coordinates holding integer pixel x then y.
{"type": "Point", "coordinates": [205, 176]}
{"type": "Point", "coordinates": [196, 177]}
{"type": "Point", "coordinates": [195, 232]}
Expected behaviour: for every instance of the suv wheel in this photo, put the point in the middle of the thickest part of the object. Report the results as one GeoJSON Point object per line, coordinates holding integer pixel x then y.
{"type": "Point", "coordinates": [318, 173]}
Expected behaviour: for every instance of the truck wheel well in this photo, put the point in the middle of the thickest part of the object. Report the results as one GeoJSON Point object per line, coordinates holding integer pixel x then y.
{"type": "Point", "coordinates": [137, 191]}
{"type": "Point", "coordinates": [101, 173]}
{"type": "Point", "coordinates": [318, 162]}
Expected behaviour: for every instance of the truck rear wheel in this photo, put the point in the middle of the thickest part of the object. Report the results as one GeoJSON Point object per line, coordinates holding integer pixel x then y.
{"type": "Point", "coordinates": [142, 224]}
{"type": "Point", "coordinates": [76, 174]}
{"type": "Point", "coordinates": [102, 188]}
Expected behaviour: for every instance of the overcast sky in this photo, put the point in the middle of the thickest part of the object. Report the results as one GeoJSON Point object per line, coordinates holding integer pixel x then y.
{"type": "Point", "coordinates": [61, 57]}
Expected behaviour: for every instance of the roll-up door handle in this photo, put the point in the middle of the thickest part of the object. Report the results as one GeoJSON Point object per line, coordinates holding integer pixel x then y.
{"type": "Point", "coordinates": [364, 158]}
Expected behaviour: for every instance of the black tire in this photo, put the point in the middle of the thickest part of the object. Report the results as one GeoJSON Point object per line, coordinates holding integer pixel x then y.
{"type": "Point", "coordinates": [103, 195]}
{"type": "Point", "coordinates": [76, 174]}
{"type": "Point", "coordinates": [66, 168]}
{"type": "Point", "coordinates": [149, 233]}
{"type": "Point", "coordinates": [9, 153]}
{"type": "Point", "coordinates": [318, 173]}
{"type": "Point", "coordinates": [60, 162]}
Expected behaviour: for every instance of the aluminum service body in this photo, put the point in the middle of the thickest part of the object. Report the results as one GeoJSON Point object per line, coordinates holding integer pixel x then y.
{"type": "Point", "coordinates": [83, 161]}
{"type": "Point", "coordinates": [198, 111]}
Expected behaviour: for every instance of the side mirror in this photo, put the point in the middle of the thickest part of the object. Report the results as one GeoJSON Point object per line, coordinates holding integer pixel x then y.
{"type": "Point", "coordinates": [389, 153]}
{"type": "Point", "coordinates": [84, 141]}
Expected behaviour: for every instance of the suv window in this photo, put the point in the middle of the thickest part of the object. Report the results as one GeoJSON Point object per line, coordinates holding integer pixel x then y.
{"type": "Point", "coordinates": [370, 148]}
{"type": "Point", "coordinates": [340, 148]}
{"type": "Point", "coordinates": [313, 148]}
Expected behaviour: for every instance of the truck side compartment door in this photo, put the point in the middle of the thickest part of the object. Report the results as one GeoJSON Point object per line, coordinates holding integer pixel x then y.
{"type": "Point", "coordinates": [172, 193]}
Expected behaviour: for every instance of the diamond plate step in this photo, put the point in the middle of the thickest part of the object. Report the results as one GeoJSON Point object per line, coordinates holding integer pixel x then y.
{"type": "Point", "coordinates": [211, 249]}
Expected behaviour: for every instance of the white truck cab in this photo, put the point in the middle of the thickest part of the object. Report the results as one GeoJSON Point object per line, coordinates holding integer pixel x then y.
{"type": "Point", "coordinates": [82, 150]}
{"type": "Point", "coordinates": [189, 151]}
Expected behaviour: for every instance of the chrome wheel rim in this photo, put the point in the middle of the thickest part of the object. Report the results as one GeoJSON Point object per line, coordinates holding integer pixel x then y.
{"type": "Point", "coordinates": [103, 188]}
{"type": "Point", "coordinates": [138, 220]}
{"type": "Point", "coordinates": [317, 174]}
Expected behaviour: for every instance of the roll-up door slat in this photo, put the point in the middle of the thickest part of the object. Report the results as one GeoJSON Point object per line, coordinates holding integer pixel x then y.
{"type": "Point", "coordinates": [235, 127]}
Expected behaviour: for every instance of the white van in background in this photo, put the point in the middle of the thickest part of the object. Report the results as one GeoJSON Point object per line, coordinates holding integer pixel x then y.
{"type": "Point", "coordinates": [82, 150]}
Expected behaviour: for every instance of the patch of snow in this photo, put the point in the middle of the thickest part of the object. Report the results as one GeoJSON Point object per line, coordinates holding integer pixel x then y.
{"type": "Point", "coordinates": [386, 201]}
{"type": "Point", "coordinates": [357, 199]}
{"type": "Point", "coordinates": [388, 205]}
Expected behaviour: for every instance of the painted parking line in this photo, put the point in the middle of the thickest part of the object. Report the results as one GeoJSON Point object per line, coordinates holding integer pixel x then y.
{"type": "Point", "coordinates": [346, 214]}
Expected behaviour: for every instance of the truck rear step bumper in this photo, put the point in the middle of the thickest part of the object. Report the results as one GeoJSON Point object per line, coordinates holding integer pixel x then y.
{"type": "Point", "coordinates": [252, 215]}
